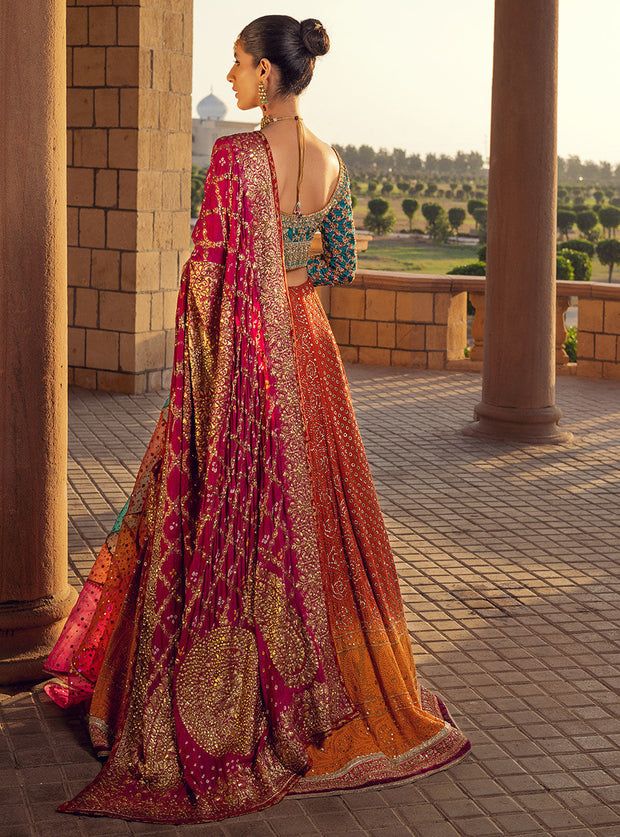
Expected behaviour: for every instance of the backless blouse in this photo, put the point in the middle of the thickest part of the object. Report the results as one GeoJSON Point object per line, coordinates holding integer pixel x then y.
{"type": "Point", "coordinates": [338, 261]}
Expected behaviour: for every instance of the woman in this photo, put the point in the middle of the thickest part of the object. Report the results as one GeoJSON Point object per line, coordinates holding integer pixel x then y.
{"type": "Point", "coordinates": [241, 634]}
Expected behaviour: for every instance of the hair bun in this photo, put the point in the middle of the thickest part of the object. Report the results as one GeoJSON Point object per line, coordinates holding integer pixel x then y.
{"type": "Point", "coordinates": [314, 37]}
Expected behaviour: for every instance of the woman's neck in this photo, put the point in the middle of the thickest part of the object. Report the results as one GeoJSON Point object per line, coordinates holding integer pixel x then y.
{"type": "Point", "coordinates": [277, 110]}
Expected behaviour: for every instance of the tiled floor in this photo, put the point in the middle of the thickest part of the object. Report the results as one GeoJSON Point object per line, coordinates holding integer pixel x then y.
{"type": "Point", "coordinates": [510, 564]}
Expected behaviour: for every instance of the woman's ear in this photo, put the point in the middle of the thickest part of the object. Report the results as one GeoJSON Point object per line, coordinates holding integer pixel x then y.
{"type": "Point", "coordinates": [264, 68]}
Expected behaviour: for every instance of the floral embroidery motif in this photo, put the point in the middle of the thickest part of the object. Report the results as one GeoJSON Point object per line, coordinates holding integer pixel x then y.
{"type": "Point", "coordinates": [337, 264]}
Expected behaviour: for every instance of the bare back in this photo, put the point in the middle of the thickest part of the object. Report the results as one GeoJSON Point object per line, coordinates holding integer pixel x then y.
{"type": "Point", "coordinates": [320, 175]}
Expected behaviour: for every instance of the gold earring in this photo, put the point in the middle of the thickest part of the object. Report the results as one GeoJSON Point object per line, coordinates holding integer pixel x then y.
{"type": "Point", "coordinates": [262, 94]}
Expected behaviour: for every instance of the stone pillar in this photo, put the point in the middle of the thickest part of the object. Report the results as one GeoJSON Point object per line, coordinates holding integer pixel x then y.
{"type": "Point", "coordinates": [129, 176]}
{"type": "Point", "coordinates": [34, 595]}
{"type": "Point", "coordinates": [518, 387]}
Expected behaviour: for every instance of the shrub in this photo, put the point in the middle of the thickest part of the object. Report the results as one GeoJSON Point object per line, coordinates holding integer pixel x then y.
{"type": "Point", "coordinates": [482, 253]}
{"type": "Point", "coordinates": [564, 269]}
{"type": "Point", "coordinates": [570, 344]}
{"type": "Point", "coordinates": [471, 269]}
{"type": "Point", "coordinates": [579, 244]}
{"type": "Point", "coordinates": [581, 262]}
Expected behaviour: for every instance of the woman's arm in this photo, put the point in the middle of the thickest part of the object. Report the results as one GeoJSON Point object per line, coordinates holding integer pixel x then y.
{"type": "Point", "coordinates": [338, 261]}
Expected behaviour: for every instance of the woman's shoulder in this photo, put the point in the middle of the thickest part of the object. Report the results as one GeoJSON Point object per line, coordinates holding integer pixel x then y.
{"type": "Point", "coordinates": [239, 143]}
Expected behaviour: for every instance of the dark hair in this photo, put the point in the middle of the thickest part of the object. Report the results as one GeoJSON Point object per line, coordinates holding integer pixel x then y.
{"type": "Point", "coordinates": [290, 45]}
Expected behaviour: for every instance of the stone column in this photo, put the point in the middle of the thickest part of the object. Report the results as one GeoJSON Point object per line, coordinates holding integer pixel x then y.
{"type": "Point", "coordinates": [34, 594]}
{"type": "Point", "coordinates": [518, 386]}
{"type": "Point", "coordinates": [129, 67]}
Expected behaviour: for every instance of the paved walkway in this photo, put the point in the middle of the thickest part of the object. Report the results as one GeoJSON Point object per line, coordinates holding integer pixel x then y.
{"type": "Point", "coordinates": [510, 566]}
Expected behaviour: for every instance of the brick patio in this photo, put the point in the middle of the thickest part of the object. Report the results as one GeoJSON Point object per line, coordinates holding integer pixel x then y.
{"type": "Point", "coordinates": [509, 561]}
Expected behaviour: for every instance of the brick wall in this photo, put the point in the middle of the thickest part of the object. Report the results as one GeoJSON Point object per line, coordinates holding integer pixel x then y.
{"type": "Point", "coordinates": [598, 343]}
{"type": "Point", "coordinates": [129, 67]}
{"type": "Point", "coordinates": [401, 320]}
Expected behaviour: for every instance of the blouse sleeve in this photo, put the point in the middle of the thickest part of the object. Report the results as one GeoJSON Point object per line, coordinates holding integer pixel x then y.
{"type": "Point", "coordinates": [338, 261]}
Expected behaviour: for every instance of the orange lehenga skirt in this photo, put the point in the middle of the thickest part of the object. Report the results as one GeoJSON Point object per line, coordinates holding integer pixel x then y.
{"type": "Point", "coordinates": [404, 729]}
{"type": "Point", "coordinates": [398, 730]}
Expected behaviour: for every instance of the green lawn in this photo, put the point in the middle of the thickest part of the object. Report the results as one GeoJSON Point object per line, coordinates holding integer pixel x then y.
{"type": "Point", "coordinates": [420, 257]}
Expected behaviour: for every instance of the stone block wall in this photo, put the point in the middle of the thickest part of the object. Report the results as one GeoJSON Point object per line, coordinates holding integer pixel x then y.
{"type": "Point", "coordinates": [598, 338]}
{"type": "Point", "coordinates": [129, 73]}
{"type": "Point", "coordinates": [394, 319]}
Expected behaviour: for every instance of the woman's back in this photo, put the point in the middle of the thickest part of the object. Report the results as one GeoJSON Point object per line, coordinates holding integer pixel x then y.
{"type": "Point", "coordinates": [320, 175]}
{"type": "Point", "coordinates": [321, 168]}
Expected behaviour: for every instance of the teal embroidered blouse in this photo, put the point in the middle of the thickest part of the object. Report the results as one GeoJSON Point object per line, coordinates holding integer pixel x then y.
{"type": "Point", "coordinates": [338, 261]}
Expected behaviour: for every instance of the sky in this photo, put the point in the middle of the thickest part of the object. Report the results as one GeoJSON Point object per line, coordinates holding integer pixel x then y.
{"type": "Point", "coordinates": [417, 75]}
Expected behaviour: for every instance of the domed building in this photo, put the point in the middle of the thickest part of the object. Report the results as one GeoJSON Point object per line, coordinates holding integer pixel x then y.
{"type": "Point", "coordinates": [211, 124]}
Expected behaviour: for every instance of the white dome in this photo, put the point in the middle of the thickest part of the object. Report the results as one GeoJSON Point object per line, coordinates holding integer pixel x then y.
{"type": "Point", "coordinates": [211, 107]}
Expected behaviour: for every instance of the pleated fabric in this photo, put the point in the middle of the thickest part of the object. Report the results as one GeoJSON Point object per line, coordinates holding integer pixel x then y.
{"type": "Point", "coordinates": [403, 730]}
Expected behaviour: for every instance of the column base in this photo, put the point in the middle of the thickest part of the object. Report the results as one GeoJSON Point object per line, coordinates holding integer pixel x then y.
{"type": "Point", "coordinates": [535, 425]}
{"type": "Point", "coordinates": [28, 632]}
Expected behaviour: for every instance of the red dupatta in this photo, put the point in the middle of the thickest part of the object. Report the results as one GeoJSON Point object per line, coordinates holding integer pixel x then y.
{"type": "Point", "coordinates": [223, 668]}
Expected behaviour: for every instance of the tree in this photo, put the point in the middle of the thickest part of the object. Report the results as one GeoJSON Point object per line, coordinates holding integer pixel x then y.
{"type": "Point", "coordinates": [409, 207]}
{"type": "Point", "coordinates": [380, 218]}
{"type": "Point", "coordinates": [608, 252]}
{"type": "Point", "coordinates": [437, 225]}
{"type": "Point", "coordinates": [440, 228]}
{"type": "Point", "coordinates": [586, 222]}
{"type": "Point", "coordinates": [430, 211]}
{"type": "Point", "coordinates": [456, 217]}
{"type": "Point", "coordinates": [387, 188]}
{"type": "Point", "coordinates": [609, 216]}
{"type": "Point", "coordinates": [480, 215]}
{"type": "Point", "coordinates": [472, 205]}
{"type": "Point", "coordinates": [566, 221]}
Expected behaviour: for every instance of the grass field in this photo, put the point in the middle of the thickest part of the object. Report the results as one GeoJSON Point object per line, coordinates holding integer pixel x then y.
{"type": "Point", "coordinates": [420, 257]}
{"type": "Point", "coordinates": [417, 257]}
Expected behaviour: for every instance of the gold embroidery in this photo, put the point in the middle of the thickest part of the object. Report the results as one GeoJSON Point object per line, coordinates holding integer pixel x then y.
{"type": "Point", "coordinates": [217, 692]}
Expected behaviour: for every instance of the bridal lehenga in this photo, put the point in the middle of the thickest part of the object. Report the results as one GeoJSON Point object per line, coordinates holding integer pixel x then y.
{"type": "Point", "coordinates": [241, 635]}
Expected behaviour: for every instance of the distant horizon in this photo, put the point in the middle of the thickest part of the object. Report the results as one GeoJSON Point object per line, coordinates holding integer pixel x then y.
{"type": "Point", "coordinates": [459, 75]}
{"type": "Point", "coordinates": [423, 154]}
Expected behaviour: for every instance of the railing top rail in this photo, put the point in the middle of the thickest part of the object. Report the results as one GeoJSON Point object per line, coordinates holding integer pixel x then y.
{"type": "Point", "coordinates": [393, 280]}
